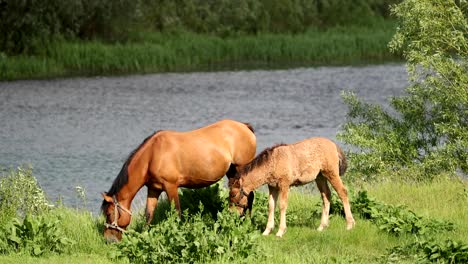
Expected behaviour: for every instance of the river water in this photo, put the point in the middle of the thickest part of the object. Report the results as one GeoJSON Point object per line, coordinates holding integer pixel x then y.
{"type": "Point", "coordinates": [79, 131]}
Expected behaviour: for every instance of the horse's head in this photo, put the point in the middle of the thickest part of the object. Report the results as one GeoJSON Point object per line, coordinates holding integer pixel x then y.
{"type": "Point", "coordinates": [117, 218]}
{"type": "Point", "coordinates": [239, 199]}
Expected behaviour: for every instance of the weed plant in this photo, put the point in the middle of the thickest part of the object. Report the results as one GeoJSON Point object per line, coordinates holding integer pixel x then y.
{"type": "Point", "coordinates": [34, 235]}
{"type": "Point", "coordinates": [197, 238]}
{"type": "Point", "coordinates": [20, 194]}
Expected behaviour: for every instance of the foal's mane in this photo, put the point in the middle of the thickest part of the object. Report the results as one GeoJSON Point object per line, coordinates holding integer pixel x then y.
{"type": "Point", "coordinates": [258, 161]}
{"type": "Point", "coordinates": [122, 177]}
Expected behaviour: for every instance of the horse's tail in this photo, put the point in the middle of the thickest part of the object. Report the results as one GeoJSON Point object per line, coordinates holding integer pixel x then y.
{"type": "Point", "coordinates": [250, 127]}
{"type": "Point", "coordinates": [343, 164]}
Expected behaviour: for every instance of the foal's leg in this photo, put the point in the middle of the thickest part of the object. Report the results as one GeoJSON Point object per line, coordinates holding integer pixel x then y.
{"type": "Point", "coordinates": [272, 198]}
{"type": "Point", "coordinates": [337, 184]}
{"type": "Point", "coordinates": [151, 203]}
{"type": "Point", "coordinates": [326, 195]}
{"type": "Point", "coordinates": [283, 205]}
{"type": "Point", "coordinates": [173, 196]}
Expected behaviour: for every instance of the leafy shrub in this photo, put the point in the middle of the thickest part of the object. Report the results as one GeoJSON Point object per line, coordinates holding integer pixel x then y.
{"type": "Point", "coordinates": [428, 250]}
{"type": "Point", "coordinates": [195, 239]}
{"type": "Point", "coordinates": [396, 220]}
{"type": "Point", "coordinates": [35, 235]}
{"type": "Point", "coordinates": [20, 194]}
{"type": "Point", "coordinates": [213, 198]}
{"type": "Point", "coordinates": [228, 17]}
{"type": "Point", "coordinates": [29, 26]}
{"type": "Point", "coordinates": [426, 128]}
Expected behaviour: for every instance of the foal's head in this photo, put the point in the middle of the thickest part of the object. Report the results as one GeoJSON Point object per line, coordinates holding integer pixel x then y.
{"type": "Point", "coordinates": [117, 218]}
{"type": "Point", "coordinates": [239, 199]}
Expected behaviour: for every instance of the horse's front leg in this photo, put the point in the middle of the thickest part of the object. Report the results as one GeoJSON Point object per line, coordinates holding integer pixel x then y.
{"type": "Point", "coordinates": [283, 205]}
{"type": "Point", "coordinates": [151, 203]}
{"type": "Point", "coordinates": [272, 198]}
{"type": "Point", "coordinates": [173, 196]}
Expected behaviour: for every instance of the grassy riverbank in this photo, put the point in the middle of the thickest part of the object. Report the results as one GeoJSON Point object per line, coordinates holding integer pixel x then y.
{"type": "Point", "coordinates": [183, 51]}
{"type": "Point", "coordinates": [441, 200]}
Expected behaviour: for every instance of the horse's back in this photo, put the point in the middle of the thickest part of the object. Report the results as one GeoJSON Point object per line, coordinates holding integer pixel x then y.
{"type": "Point", "coordinates": [205, 153]}
{"type": "Point", "coordinates": [235, 137]}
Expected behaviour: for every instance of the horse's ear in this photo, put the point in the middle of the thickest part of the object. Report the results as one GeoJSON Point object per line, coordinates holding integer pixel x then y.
{"type": "Point", "coordinates": [106, 197]}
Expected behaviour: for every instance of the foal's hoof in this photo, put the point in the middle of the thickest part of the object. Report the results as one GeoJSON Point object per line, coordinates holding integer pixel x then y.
{"type": "Point", "coordinates": [350, 226]}
{"type": "Point", "coordinates": [280, 234]}
{"type": "Point", "coordinates": [321, 228]}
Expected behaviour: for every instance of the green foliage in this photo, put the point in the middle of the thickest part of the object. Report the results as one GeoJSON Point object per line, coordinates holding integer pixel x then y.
{"type": "Point", "coordinates": [160, 52]}
{"type": "Point", "coordinates": [213, 199]}
{"type": "Point", "coordinates": [393, 219]}
{"type": "Point", "coordinates": [228, 17]}
{"type": "Point", "coordinates": [427, 128]}
{"type": "Point", "coordinates": [20, 195]}
{"type": "Point", "coordinates": [29, 26]}
{"type": "Point", "coordinates": [398, 219]}
{"type": "Point", "coordinates": [195, 239]}
{"type": "Point", "coordinates": [429, 251]}
{"type": "Point", "coordinates": [35, 235]}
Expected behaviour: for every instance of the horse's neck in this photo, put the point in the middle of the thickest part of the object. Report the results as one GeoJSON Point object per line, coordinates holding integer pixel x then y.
{"type": "Point", "coordinates": [256, 178]}
{"type": "Point", "coordinates": [127, 194]}
{"type": "Point", "coordinates": [136, 172]}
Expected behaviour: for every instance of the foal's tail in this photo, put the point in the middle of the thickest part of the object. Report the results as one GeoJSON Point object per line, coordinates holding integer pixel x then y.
{"type": "Point", "coordinates": [342, 162]}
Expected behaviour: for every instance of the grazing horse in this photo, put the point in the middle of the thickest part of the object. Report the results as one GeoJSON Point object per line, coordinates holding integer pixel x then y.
{"type": "Point", "coordinates": [168, 160]}
{"type": "Point", "coordinates": [283, 166]}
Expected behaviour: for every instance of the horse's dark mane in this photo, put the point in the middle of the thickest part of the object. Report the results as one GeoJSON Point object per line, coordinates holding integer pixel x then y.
{"type": "Point", "coordinates": [122, 177]}
{"type": "Point", "coordinates": [261, 158]}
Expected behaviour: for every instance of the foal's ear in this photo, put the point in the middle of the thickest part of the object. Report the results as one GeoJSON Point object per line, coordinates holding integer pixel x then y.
{"type": "Point", "coordinates": [107, 197]}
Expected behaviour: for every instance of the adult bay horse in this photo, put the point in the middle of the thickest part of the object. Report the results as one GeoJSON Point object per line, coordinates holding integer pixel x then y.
{"type": "Point", "coordinates": [168, 160]}
{"type": "Point", "coordinates": [283, 166]}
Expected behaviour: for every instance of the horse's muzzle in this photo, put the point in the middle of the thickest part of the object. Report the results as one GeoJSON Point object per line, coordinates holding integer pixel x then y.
{"type": "Point", "coordinates": [112, 235]}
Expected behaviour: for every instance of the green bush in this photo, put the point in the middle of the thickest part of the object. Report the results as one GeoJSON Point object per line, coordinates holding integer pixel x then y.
{"type": "Point", "coordinates": [228, 17]}
{"type": "Point", "coordinates": [213, 198]}
{"type": "Point", "coordinates": [426, 129]}
{"type": "Point", "coordinates": [20, 195]}
{"type": "Point", "coordinates": [393, 219]}
{"type": "Point", "coordinates": [194, 239]}
{"type": "Point", "coordinates": [28, 26]}
{"type": "Point", "coordinates": [429, 251]}
{"type": "Point", "coordinates": [34, 235]}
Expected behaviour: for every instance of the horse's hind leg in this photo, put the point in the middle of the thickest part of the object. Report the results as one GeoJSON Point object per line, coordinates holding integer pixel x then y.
{"type": "Point", "coordinates": [272, 198]}
{"type": "Point", "coordinates": [151, 203]}
{"type": "Point", "coordinates": [326, 195]}
{"type": "Point", "coordinates": [337, 184]}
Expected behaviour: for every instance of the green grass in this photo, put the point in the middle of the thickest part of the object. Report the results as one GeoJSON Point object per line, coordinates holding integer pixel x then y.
{"type": "Point", "coordinates": [443, 199]}
{"type": "Point", "coordinates": [162, 52]}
